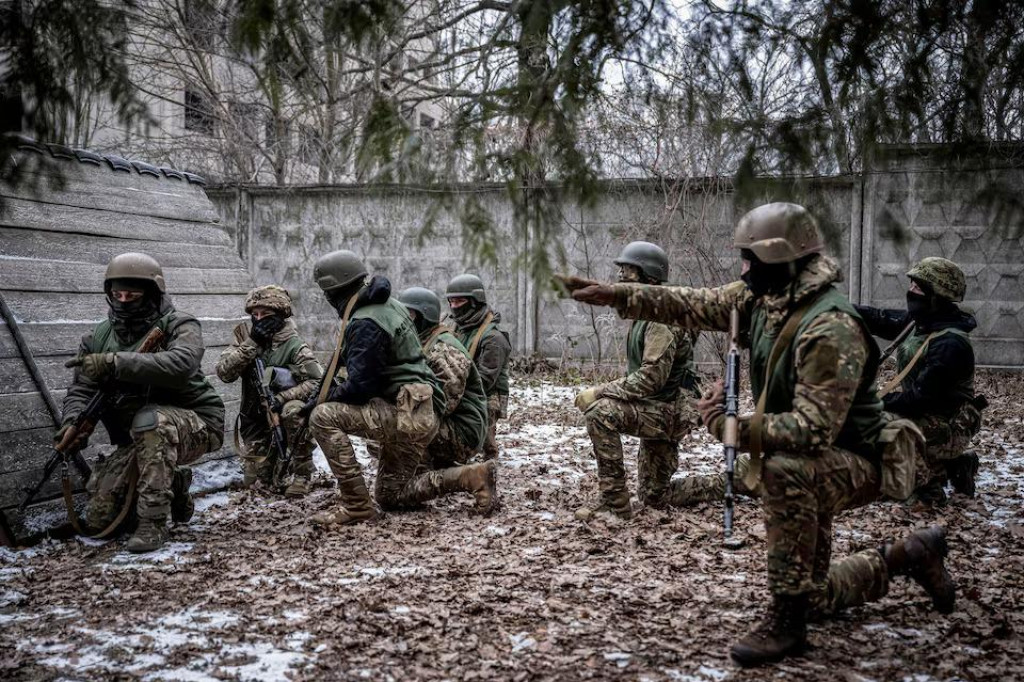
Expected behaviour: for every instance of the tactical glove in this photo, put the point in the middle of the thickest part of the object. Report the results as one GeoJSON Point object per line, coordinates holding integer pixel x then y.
{"type": "Point", "coordinates": [307, 409]}
{"type": "Point", "coordinates": [94, 366]}
{"type": "Point", "coordinates": [263, 330]}
{"type": "Point", "coordinates": [587, 398]}
{"type": "Point", "coordinates": [712, 403]}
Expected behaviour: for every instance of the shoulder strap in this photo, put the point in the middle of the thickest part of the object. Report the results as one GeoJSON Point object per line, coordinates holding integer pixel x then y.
{"type": "Point", "coordinates": [488, 318]}
{"type": "Point", "coordinates": [332, 368]}
{"type": "Point", "coordinates": [753, 475]}
{"type": "Point", "coordinates": [438, 330]}
{"type": "Point", "coordinates": [887, 389]}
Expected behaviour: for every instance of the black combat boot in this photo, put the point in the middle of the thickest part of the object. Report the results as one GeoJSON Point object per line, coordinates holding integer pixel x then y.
{"type": "Point", "coordinates": [920, 556]}
{"type": "Point", "coordinates": [782, 633]}
{"type": "Point", "coordinates": [962, 472]}
{"type": "Point", "coordinates": [182, 504]}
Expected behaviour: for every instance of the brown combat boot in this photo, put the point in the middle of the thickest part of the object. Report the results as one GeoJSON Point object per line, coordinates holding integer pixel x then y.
{"type": "Point", "coordinates": [962, 472]}
{"type": "Point", "coordinates": [782, 633]}
{"type": "Point", "coordinates": [182, 504]}
{"type": "Point", "coordinates": [921, 557]}
{"type": "Point", "coordinates": [614, 503]}
{"type": "Point", "coordinates": [356, 505]}
{"type": "Point", "coordinates": [481, 480]}
{"type": "Point", "coordinates": [149, 536]}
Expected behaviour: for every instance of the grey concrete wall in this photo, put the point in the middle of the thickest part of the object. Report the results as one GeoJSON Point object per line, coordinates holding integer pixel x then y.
{"type": "Point", "coordinates": [865, 218]}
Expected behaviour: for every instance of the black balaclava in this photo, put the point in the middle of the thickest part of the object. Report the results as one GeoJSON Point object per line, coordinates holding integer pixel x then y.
{"type": "Point", "coordinates": [923, 307]}
{"type": "Point", "coordinates": [338, 298]}
{"type": "Point", "coordinates": [132, 319]}
{"type": "Point", "coordinates": [768, 278]}
{"type": "Point", "coordinates": [464, 312]}
{"type": "Point", "coordinates": [420, 322]}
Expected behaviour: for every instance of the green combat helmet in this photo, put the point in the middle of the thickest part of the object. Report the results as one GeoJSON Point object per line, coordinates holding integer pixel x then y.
{"type": "Point", "coordinates": [650, 258]}
{"type": "Point", "coordinates": [135, 266]}
{"type": "Point", "coordinates": [270, 296]}
{"type": "Point", "coordinates": [338, 269]}
{"type": "Point", "coordinates": [944, 277]}
{"type": "Point", "coordinates": [423, 301]}
{"type": "Point", "coordinates": [466, 286]}
{"type": "Point", "coordinates": [779, 233]}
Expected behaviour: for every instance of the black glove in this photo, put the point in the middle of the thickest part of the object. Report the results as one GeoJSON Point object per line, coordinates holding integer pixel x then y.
{"type": "Point", "coordinates": [277, 405]}
{"type": "Point", "coordinates": [307, 409]}
{"type": "Point", "coordinates": [264, 329]}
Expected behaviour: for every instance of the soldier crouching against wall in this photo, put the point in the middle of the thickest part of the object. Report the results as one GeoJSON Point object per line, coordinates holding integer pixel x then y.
{"type": "Point", "coordinates": [168, 414]}
{"type": "Point", "coordinates": [389, 395]}
{"type": "Point", "coordinates": [654, 401]}
{"type": "Point", "coordinates": [273, 337]}
{"type": "Point", "coordinates": [819, 422]}
{"type": "Point", "coordinates": [935, 365]}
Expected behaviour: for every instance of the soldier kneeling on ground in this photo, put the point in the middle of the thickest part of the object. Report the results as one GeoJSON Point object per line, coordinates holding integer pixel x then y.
{"type": "Point", "coordinates": [167, 413]}
{"type": "Point", "coordinates": [389, 395]}
{"type": "Point", "coordinates": [654, 401]}
{"type": "Point", "coordinates": [935, 365]}
{"type": "Point", "coordinates": [293, 374]}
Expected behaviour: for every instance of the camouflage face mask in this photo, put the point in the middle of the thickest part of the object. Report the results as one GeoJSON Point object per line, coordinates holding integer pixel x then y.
{"type": "Point", "coordinates": [629, 274]}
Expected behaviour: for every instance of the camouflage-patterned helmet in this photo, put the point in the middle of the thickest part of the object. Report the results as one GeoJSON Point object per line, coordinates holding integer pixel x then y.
{"type": "Point", "coordinates": [423, 301]}
{"type": "Point", "coordinates": [466, 286]}
{"type": "Point", "coordinates": [944, 277]}
{"type": "Point", "coordinates": [270, 296]}
{"type": "Point", "coordinates": [338, 269]}
{"type": "Point", "coordinates": [779, 233]}
{"type": "Point", "coordinates": [135, 266]}
{"type": "Point", "coordinates": [650, 258]}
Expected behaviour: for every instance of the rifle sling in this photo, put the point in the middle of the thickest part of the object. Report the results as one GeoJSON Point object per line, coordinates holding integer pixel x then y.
{"type": "Point", "coordinates": [887, 389]}
{"type": "Point", "coordinates": [129, 502]}
{"type": "Point", "coordinates": [488, 318]}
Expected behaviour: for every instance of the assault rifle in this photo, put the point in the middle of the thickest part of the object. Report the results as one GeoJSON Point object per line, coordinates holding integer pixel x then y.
{"type": "Point", "coordinates": [273, 418]}
{"type": "Point", "coordinates": [730, 438]}
{"type": "Point", "coordinates": [891, 348]}
{"type": "Point", "coordinates": [74, 440]}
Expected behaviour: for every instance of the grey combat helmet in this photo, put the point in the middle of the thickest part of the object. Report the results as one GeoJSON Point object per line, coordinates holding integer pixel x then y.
{"type": "Point", "coordinates": [779, 233]}
{"type": "Point", "coordinates": [338, 269]}
{"type": "Point", "coordinates": [466, 286]}
{"type": "Point", "coordinates": [650, 258]}
{"type": "Point", "coordinates": [423, 301]}
{"type": "Point", "coordinates": [135, 266]}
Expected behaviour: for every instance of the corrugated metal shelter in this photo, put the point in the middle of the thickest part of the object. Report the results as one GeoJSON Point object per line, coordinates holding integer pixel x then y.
{"type": "Point", "coordinates": [65, 216]}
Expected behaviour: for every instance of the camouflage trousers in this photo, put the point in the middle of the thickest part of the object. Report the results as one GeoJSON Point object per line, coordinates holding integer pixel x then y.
{"type": "Point", "coordinates": [497, 406]}
{"type": "Point", "coordinates": [800, 498]}
{"type": "Point", "coordinates": [259, 456]}
{"type": "Point", "coordinates": [695, 489]}
{"type": "Point", "coordinates": [659, 426]}
{"type": "Point", "coordinates": [163, 438]}
{"type": "Point", "coordinates": [947, 438]}
{"type": "Point", "coordinates": [446, 450]}
{"type": "Point", "coordinates": [403, 430]}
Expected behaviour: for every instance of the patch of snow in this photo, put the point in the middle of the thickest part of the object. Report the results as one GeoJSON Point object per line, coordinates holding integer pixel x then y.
{"type": "Point", "coordinates": [10, 598]}
{"type": "Point", "coordinates": [495, 531]}
{"type": "Point", "coordinates": [704, 673]}
{"type": "Point", "coordinates": [521, 641]}
{"type": "Point", "coordinates": [619, 658]}
{"type": "Point", "coordinates": [215, 475]}
{"type": "Point", "coordinates": [204, 503]}
{"type": "Point", "coordinates": [172, 552]}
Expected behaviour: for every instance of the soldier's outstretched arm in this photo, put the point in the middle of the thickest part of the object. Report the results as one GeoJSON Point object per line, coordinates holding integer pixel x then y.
{"type": "Point", "coordinates": [659, 353]}
{"type": "Point", "coordinates": [237, 357]}
{"type": "Point", "coordinates": [886, 323]}
{"type": "Point", "coordinates": [695, 309]}
{"type": "Point", "coordinates": [170, 368]}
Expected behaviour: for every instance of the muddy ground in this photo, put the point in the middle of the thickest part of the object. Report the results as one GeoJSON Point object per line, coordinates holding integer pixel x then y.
{"type": "Point", "coordinates": [250, 591]}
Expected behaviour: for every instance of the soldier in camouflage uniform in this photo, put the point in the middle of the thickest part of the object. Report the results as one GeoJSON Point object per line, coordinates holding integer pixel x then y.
{"type": "Point", "coordinates": [168, 415]}
{"type": "Point", "coordinates": [654, 401]}
{"type": "Point", "coordinates": [476, 328]}
{"type": "Point", "coordinates": [819, 428]}
{"type": "Point", "coordinates": [389, 395]}
{"type": "Point", "coordinates": [273, 337]}
{"type": "Point", "coordinates": [463, 427]}
{"type": "Point", "coordinates": [937, 389]}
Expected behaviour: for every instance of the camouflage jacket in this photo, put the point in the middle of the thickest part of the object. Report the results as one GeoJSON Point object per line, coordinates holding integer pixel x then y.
{"type": "Point", "coordinates": [286, 350]}
{"type": "Point", "coordinates": [665, 348]}
{"type": "Point", "coordinates": [464, 396]}
{"type": "Point", "coordinates": [830, 354]}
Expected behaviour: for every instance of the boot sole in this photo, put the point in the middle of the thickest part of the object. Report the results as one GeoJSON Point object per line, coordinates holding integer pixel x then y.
{"type": "Point", "coordinates": [748, 659]}
{"type": "Point", "coordinates": [492, 483]}
{"type": "Point", "coordinates": [935, 543]}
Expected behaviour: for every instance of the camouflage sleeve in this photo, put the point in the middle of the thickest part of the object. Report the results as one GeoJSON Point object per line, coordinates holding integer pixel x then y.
{"type": "Point", "coordinates": [238, 356]}
{"type": "Point", "coordinates": [491, 358]}
{"type": "Point", "coordinates": [451, 366]}
{"type": "Point", "coordinates": [660, 345]}
{"type": "Point", "coordinates": [172, 367]}
{"type": "Point", "coordinates": [81, 390]}
{"type": "Point", "coordinates": [306, 371]}
{"type": "Point", "coordinates": [693, 309]}
{"type": "Point", "coordinates": [830, 359]}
